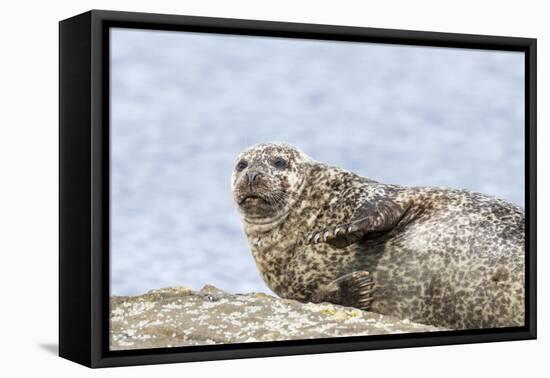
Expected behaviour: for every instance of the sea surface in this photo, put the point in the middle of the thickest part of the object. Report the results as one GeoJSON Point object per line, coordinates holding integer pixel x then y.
{"type": "Point", "coordinates": [183, 105]}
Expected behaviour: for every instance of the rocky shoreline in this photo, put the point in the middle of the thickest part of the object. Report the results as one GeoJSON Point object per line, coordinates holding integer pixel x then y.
{"type": "Point", "coordinates": [179, 316]}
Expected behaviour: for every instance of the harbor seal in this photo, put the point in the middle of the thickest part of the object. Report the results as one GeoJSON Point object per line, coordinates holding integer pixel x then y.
{"type": "Point", "coordinates": [318, 233]}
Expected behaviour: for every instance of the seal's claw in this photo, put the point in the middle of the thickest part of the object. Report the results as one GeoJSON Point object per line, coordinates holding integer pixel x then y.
{"type": "Point", "coordinates": [316, 238]}
{"type": "Point", "coordinates": [336, 236]}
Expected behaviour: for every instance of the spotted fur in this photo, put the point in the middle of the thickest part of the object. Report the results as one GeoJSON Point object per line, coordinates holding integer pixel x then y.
{"type": "Point", "coordinates": [445, 257]}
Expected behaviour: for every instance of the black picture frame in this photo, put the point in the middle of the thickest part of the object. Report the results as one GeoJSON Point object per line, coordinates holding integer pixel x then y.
{"type": "Point", "coordinates": [84, 186]}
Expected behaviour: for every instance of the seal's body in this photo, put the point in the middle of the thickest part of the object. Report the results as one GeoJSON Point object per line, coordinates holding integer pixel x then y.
{"type": "Point", "coordinates": [318, 233]}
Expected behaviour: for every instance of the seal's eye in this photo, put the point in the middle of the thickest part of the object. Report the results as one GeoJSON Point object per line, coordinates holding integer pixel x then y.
{"type": "Point", "coordinates": [241, 165]}
{"type": "Point", "coordinates": [279, 162]}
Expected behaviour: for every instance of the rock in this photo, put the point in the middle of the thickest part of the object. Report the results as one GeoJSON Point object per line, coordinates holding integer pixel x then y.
{"type": "Point", "coordinates": [179, 316]}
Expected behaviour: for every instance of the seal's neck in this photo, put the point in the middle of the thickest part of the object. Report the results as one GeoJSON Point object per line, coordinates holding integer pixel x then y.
{"type": "Point", "coordinates": [253, 227]}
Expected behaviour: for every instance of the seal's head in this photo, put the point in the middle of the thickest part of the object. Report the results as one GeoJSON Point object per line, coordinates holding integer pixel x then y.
{"type": "Point", "coordinates": [267, 180]}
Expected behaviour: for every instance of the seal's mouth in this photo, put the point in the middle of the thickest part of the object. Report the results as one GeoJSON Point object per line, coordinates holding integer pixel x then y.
{"type": "Point", "coordinates": [249, 197]}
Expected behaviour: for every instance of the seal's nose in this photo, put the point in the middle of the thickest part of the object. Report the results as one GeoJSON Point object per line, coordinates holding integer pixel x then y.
{"type": "Point", "coordinates": [251, 177]}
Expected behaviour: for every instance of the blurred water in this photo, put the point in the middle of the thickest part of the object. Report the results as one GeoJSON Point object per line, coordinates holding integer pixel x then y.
{"type": "Point", "coordinates": [184, 105]}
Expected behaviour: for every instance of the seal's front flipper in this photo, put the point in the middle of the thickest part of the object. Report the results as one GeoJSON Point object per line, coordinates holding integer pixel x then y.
{"type": "Point", "coordinates": [353, 289]}
{"type": "Point", "coordinates": [356, 289]}
{"type": "Point", "coordinates": [371, 218]}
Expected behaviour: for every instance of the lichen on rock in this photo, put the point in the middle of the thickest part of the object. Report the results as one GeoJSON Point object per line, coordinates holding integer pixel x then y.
{"type": "Point", "coordinates": [179, 316]}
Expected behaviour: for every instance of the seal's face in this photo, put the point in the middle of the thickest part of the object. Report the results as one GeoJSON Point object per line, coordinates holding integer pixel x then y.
{"type": "Point", "coordinates": [267, 180]}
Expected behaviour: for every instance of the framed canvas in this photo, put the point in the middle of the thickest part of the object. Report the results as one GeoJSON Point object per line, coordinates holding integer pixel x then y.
{"type": "Point", "coordinates": [236, 188]}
